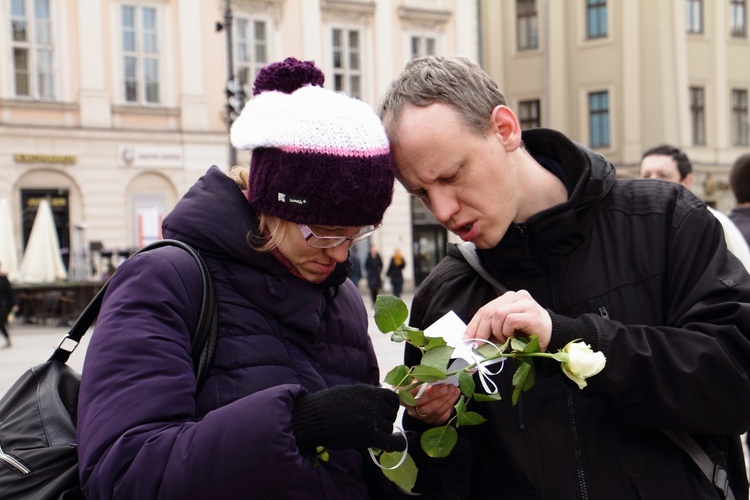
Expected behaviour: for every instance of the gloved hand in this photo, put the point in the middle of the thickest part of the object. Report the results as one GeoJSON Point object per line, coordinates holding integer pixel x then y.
{"type": "Point", "coordinates": [442, 478]}
{"type": "Point", "coordinates": [347, 416]}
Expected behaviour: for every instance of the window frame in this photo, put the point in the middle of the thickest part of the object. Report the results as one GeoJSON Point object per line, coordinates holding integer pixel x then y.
{"type": "Point", "coordinates": [33, 48]}
{"type": "Point", "coordinates": [422, 38]}
{"type": "Point", "coordinates": [527, 120]}
{"type": "Point", "coordinates": [740, 118]}
{"type": "Point", "coordinates": [738, 18]}
{"type": "Point", "coordinates": [157, 58]}
{"type": "Point", "coordinates": [694, 17]}
{"type": "Point", "coordinates": [596, 8]}
{"type": "Point", "coordinates": [595, 115]}
{"type": "Point", "coordinates": [252, 64]}
{"type": "Point", "coordinates": [342, 77]}
{"type": "Point", "coordinates": [527, 25]}
{"type": "Point", "coordinates": [697, 115]}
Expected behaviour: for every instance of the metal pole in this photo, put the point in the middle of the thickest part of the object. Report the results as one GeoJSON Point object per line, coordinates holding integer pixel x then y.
{"type": "Point", "coordinates": [230, 72]}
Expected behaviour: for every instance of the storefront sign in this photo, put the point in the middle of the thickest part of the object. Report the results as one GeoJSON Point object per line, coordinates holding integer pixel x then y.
{"type": "Point", "coordinates": [146, 156]}
{"type": "Point", "coordinates": [34, 158]}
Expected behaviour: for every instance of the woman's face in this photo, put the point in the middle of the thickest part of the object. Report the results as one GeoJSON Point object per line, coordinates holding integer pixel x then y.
{"type": "Point", "coordinates": [315, 264]}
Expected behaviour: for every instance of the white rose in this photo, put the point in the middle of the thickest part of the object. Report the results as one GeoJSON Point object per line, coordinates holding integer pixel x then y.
{"type": "Point", "coordinates": [582, 363]}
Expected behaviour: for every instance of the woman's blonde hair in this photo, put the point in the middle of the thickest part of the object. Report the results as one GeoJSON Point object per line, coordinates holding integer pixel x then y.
{"type": "Point", "coordinates": [271, 230]}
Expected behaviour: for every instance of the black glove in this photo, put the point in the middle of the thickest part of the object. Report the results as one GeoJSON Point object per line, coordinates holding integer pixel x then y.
{"type": "Point", "coordinates": [442, 478]}
{"type": "Point", "coordinates": [347, 416]}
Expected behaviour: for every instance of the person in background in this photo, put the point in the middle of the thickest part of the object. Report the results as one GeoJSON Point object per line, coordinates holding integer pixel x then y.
{"type": "Point", "coordinates": [636, 269]}
{"type": "Point", "coordinates": [395, 272]}
{"type": "Point", "coordinates": [356, 273]}
{"type": "Point", "coordinates": [669, 163]}
{"type": "Point", "coordinates": [739, 184]}
{"type": "Point", "coordinates": [8, 305]}
{"type": "Point", "coordinates": [294, 371]}
{"type": "Point", "coordinates": [374, 269]}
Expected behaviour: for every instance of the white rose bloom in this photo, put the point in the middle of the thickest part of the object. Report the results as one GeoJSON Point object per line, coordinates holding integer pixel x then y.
{"type": "Point", "coordinates": [582, 363]}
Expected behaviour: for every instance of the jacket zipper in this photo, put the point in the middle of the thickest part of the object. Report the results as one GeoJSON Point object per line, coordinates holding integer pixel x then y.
{"type": "Point", "coordinates": [577, 454]}
{"type": "Point", "coordinates": [13, 462]}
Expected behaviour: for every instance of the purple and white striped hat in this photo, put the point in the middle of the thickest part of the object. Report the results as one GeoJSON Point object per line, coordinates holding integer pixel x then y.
{"type": "Point", "coordinates": [318, 156]}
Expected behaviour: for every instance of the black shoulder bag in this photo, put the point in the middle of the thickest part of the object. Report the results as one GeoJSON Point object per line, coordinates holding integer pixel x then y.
{"type": "Point", "coordinates": [38, 453]}
{"type": "Point", "coordinates": [713, 472]}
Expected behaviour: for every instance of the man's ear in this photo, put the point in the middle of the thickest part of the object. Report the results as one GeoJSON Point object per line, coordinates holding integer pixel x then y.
{"type": "Point", "coordinates": [687, 181]}
{"type": "Point", "coordinates": [505, 125]}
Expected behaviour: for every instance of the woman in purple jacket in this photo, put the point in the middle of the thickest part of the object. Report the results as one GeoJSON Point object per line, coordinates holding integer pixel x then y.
{"type": "Point", "coordinates": [294, 368]}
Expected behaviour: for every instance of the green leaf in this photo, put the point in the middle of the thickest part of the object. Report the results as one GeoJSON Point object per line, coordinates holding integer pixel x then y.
{"type": "Point", "coordinates": [390, 313]}
{"type": "Point", "coordinates": [434, 342]}
{"type": "Point", "coordinates": [428, 373]}
{"type": "Point", "coordinates": [470, 418]}
{"type": "Point", "coordinates": [408, 398]}
{"type": "Point", "coordinates": [523, 379]}
{"type": "Point", "coordinates": [397, 336]}
{"type": "Point", "coordinates": [533, 345]}
{"type": "Point", "coordinates": [415, 337]}
{"type": "Point", "coordinates": [460, 405]}
{"type": "Point", "coordinates": [439, 357]}
{"type": "Point", "coordinates": [466, 384]}
{"type": "Point", "coordinates": [405, 476]}
{"type": "Point", "coordinates": [518, 343]}
{"type": "Point", "coordinates": [438, 442]}
{"type": "Point", "coordinates": [399, 376]}
{"type": "Point", "coordinates": [480, 397]}
{"type": "Point", "coordinates": [488, 351]}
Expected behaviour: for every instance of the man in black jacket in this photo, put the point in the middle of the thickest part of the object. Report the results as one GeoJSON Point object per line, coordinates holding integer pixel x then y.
{"type": "Point", "coordinates": [637, 269]}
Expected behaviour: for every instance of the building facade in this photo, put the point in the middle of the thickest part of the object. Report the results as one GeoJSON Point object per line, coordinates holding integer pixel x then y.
{"type": "Point", "coordinates": [113, 108]}
{"type": "Point", "coordinates": [622, 76]}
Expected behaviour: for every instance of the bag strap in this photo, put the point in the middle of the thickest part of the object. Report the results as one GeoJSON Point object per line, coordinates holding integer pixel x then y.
{"type": "Point", "coordinates": [468, 252]}
{"type": "Point", "coordinates": [203, 339]}
{"type": "Point", "coordinates": [714, 472]}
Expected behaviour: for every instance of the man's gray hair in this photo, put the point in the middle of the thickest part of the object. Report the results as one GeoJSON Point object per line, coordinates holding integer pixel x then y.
{"type": "Point", "coordinates": [455, 81]}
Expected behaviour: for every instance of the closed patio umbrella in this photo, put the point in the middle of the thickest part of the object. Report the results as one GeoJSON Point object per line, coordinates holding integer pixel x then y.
{"type": "Point", "coordinates": [8, 249]}
{"type": "Point", "coordinates": [42, 261]}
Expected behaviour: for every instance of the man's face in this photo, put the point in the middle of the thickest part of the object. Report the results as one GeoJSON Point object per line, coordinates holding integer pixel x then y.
{"type": "Point", "coordinates": [662, 167]}
{"type": "Point", "coordinates": [467, 180]}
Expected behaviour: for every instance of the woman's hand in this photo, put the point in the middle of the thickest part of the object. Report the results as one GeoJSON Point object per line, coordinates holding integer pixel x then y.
{"type": "Point", "coordinates": [435, 405]}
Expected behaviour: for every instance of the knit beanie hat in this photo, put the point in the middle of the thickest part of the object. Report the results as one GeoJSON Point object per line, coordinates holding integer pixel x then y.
{"type": "Point", "coordinates": [318, 156]}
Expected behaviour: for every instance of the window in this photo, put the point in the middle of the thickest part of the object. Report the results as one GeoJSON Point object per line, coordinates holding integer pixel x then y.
{"type": "Point", "coordinates": [251, 48]}
{"type": "Point", "coordinates": [527, 34]}
{"type": "Point", "coordinates": [740, 135]}
{"type": "Point", "coordinates": [596, 18]}
{"type": "Point", "coordinates": [698, 115]}
{"type": "Point", "coordinates": [347, 64]}
{"type": "Point", "coordinates": [140, 55]}
{"type": "Point", "coordinates": [528, 114]}
{"type": "Point", "coordinates": [422, 46]}
{"type": "Point", "coordinates": [32, 48]}
{"type": "Point", "coordinates": [599, 119]}
{"type": "Point", "coordinates": [738, 18]}
{"type": "Point", "coordinates": [694, 16]}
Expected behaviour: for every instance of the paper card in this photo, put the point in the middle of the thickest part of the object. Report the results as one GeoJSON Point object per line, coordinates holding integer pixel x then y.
{"type": "Point", "coordinates": [451, 329]}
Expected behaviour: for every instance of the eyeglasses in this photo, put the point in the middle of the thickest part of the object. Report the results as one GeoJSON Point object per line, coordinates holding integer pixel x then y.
{"type": "Point", "coordinates": [316, 241]}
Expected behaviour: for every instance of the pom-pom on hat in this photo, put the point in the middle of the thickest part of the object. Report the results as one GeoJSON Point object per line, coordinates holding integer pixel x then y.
{"type": "Point", "coordinates": [318, 156]}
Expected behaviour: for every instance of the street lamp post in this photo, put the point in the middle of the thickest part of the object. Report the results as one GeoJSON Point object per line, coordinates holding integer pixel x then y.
{"type": "Point", "coordinates": [230, 75]}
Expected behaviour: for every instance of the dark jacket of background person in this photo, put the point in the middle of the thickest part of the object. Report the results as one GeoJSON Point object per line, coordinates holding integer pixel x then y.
{"type": "Point", "coordinates": [374, 268]}
{"type": "Point", "coordinates": [640, 271]}
{"type": "Point", "coordinates": [395, 273]}
{"type": "Point", "coordinates": [7, 296]}
{"type": "Point", "coordinates": [356, 272]}
{"type": "Point", "coordinates": [279, 336]}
